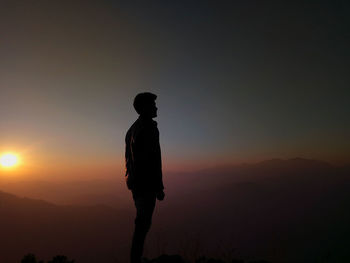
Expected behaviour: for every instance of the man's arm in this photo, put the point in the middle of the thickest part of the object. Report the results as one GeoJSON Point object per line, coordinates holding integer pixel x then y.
{"type": "Point", "coordinates": [160, 195]}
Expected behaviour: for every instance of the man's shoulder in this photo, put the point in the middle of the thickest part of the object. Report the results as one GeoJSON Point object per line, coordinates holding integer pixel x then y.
{"type": "Point", "coordinates": [132, 129]}
{"type": "Point", "coordinates": [142, 127]}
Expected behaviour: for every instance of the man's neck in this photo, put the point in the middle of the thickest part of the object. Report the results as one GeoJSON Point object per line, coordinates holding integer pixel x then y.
{"type": "Point", "coordinates": [145, 118]}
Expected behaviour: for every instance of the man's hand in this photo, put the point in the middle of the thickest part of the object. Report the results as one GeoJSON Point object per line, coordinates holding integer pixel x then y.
{"type": "Point", "coordinates": [160, 195]}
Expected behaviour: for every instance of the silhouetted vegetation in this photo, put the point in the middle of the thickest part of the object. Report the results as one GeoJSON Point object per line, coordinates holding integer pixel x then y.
{"type": "Point", "coordinates": [179, 259]}
{"type": "Point", "coordinates": [60, 259]}
{"type": "Point", "coordinates": [31, 258]}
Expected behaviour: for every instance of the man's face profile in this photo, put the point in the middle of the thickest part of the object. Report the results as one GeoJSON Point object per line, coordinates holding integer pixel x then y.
{"type": "Point", "coordinates": [153, 110]}
{"type": "Point", "coordinates": [150, 110]}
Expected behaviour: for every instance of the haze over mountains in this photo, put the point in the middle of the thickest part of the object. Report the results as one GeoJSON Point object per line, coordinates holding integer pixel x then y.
{"type": "Point", "coordinates": [280, 210]}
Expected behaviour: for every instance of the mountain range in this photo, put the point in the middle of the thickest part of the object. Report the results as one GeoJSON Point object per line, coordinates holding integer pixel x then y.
{"type": "Point", "coordinates": [292, 210]}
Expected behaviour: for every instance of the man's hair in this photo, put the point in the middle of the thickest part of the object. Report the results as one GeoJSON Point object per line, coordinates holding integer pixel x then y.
{"type": "Point", "coordinates": [143, 100]}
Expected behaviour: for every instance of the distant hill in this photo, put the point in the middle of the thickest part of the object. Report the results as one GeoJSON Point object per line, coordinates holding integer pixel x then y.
{"type": "Point", "coordinates": [88, 234]}
{"type": "Point", "coordinates": [293, 210]}
{"type": "Point", "coordinates": [114, 192]}
{"type": "Point", "coordinates": [88, 192]}
{"type": "Point", "coordinates": [289, 169]}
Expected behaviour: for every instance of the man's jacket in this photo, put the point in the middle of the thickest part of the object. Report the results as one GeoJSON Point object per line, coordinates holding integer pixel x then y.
{"type": "Point", "coordinates": [143, 157]}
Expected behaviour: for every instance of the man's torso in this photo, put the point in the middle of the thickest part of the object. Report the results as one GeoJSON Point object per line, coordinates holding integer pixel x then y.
{"type": "Point", "coordinates": [143, 156]}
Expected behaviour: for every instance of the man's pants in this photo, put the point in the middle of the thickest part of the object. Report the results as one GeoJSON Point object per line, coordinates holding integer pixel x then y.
{"type": "Point", "coordinates": [145, 203]}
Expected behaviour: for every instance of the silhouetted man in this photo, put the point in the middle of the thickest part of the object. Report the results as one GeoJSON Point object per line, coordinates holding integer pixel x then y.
{"type": "Point", "coordinates": [143, 169]}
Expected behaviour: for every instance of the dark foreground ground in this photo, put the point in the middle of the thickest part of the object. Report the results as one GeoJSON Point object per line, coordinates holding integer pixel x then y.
{"type": "Point", "coordinates": [31, 258]}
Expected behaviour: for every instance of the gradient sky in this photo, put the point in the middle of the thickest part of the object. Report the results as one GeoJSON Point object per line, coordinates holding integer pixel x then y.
{"type": "Point", "coordinates": [237, 81]}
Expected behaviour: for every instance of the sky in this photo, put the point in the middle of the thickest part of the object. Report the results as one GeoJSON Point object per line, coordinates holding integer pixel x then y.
{"type": "Point", "coordinates": [237, 81]}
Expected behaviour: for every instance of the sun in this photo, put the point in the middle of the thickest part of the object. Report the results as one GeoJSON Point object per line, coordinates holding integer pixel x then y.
{"type": "Point", "coordinates": [8, 160]}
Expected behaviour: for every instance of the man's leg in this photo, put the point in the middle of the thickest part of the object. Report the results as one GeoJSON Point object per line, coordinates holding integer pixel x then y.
{"type": "Point", "coordinates": [145, 203]}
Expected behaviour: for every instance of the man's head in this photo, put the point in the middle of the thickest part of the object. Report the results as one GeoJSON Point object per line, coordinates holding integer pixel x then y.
{"type": "Point", "coordinates": [145, 105]}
